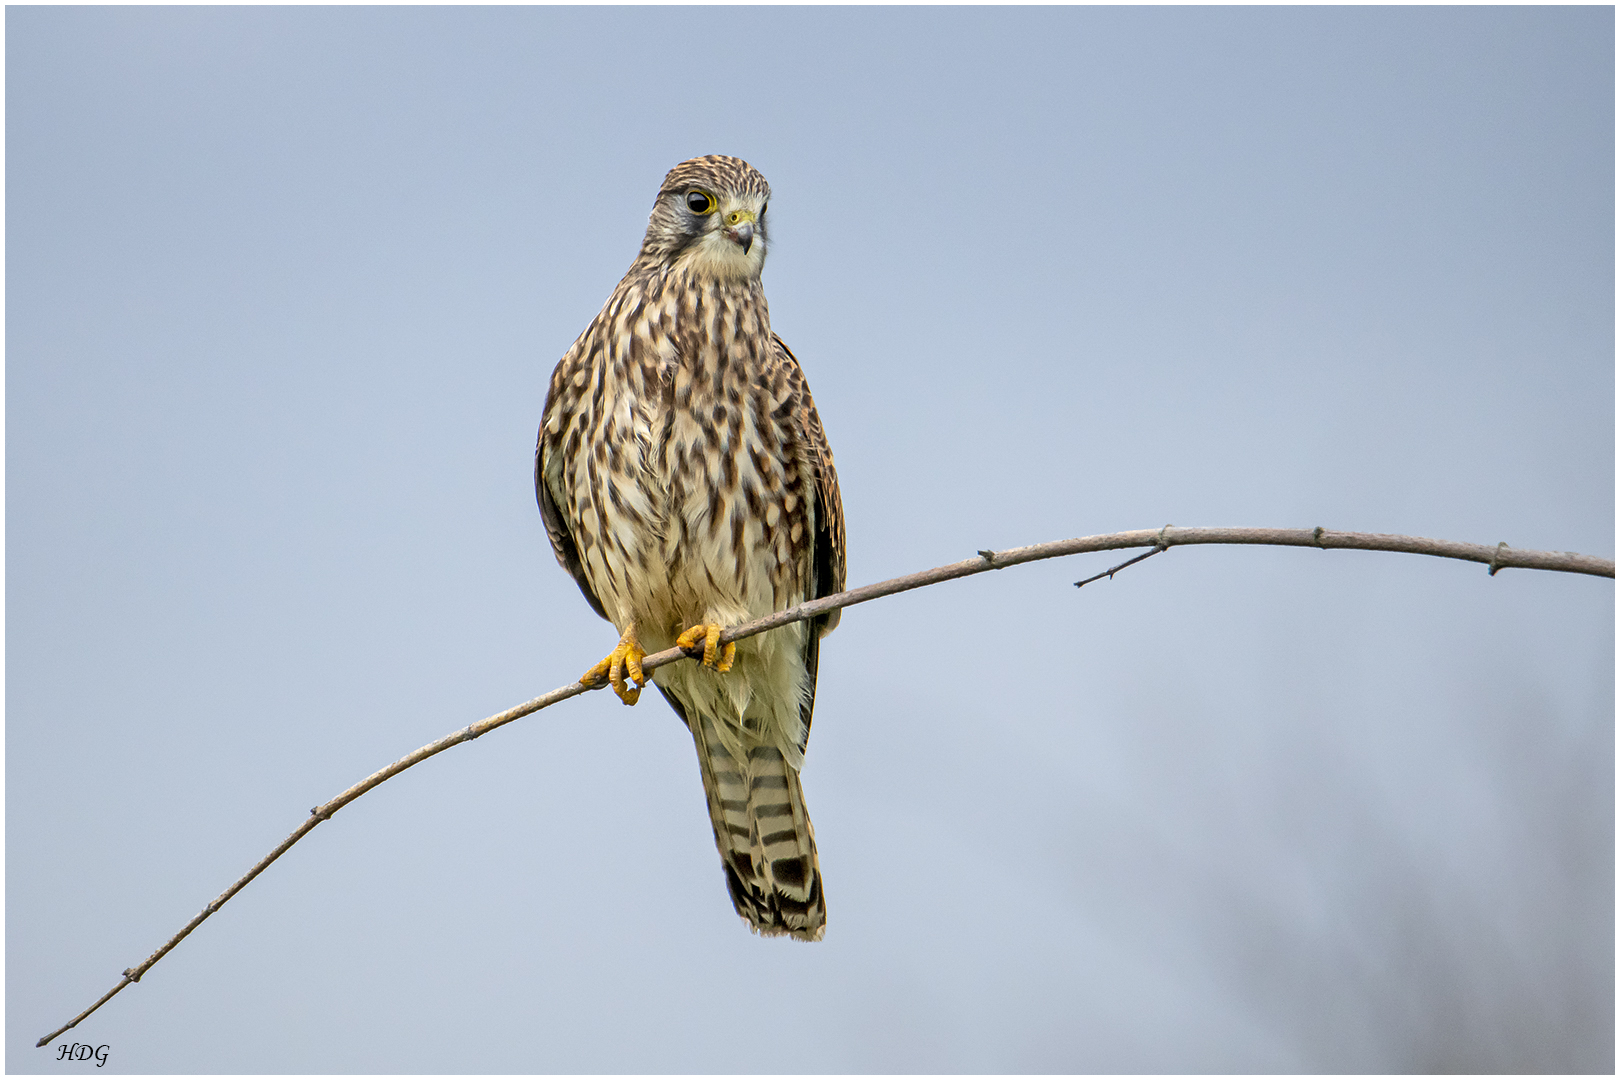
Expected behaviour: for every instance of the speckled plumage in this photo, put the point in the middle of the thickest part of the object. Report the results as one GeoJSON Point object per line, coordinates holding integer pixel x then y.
{"type": "Point", "coordinates": [684, 479]}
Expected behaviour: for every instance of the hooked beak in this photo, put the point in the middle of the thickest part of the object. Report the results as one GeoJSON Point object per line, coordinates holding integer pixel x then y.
{"type": "Point", "coordinates": [740, 228]}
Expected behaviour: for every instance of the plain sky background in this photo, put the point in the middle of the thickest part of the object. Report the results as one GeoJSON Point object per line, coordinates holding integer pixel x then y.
{"type": "Point", "coordinates": [283, 291]}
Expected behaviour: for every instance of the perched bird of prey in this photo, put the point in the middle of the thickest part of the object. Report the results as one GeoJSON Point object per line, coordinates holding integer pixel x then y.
{"type": "Point", "coordinates": [686, 483]}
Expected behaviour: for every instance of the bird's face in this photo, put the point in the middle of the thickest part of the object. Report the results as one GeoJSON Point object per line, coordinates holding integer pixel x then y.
{"type": "Point", "coordinates": [710, 217]}
{"type": "Point", "coordinates": [725, 232]}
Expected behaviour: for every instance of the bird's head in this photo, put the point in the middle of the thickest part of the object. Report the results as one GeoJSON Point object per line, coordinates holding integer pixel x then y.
{"type": "Point", "coordinates": [710, 214]}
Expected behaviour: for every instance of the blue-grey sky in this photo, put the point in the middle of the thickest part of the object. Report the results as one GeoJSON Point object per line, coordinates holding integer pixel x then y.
{"type": "Point", "coordinates": [283, 290]}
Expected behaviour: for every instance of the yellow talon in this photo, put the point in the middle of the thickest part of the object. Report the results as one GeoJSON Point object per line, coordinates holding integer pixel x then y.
{"type": "Point", "coordinates": [625, 659]}
{"type": "Point", "coordinates": [710, 633]}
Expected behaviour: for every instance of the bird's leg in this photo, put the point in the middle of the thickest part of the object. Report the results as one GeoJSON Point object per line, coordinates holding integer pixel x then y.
{"type": "Point", "coordinates": [625, 659]}
{"type": "Point", "coordinates": [709, 634]}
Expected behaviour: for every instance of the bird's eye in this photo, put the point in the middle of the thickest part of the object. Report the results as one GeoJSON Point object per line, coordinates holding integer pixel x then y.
{"type": "Point", "coordinates": [699, 202]}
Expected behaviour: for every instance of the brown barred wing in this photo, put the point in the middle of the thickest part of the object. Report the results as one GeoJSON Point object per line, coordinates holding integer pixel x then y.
{"type": "Point", "coordinates": [562, 406]}
{"type": "Point", "coordinates": [827, 547]}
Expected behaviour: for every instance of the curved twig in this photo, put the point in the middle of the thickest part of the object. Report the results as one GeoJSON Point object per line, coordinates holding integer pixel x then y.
{"type": "Point", "coordinates": [1496, 558]}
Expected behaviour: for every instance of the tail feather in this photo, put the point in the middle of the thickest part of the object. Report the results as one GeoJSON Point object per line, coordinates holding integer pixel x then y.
{"type": "Point", "coordinates": [767, 845]}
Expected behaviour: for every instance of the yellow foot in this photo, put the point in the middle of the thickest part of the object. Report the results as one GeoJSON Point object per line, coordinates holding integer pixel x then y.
{"type": "Point", "coordinates": [625, 659]}
{"type": "Point", "coordinates": [710, 636]}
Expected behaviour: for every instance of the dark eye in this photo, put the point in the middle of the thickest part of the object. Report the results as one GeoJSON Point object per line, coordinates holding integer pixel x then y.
{"type": "Point", "coordinates": [699, 202]}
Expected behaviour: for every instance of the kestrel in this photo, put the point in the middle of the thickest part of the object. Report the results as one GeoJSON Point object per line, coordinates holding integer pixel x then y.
{"type": "Point", "coordinates": [686, 483]}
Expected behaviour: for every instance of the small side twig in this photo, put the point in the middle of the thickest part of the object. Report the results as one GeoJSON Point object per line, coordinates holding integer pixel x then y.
{"type": "Point", "coordinates": [1112, 570]}
{"type": "Point", "coordinates": [1498, 558]}
{"type": "Point", "coordinates": [1162, 545]}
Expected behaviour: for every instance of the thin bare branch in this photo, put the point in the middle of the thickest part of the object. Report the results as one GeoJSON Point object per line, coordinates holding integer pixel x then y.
{"type": "Point", "coordinates": [1500, 557]}
{"type": "Point", "coordinates": [1112, 570]}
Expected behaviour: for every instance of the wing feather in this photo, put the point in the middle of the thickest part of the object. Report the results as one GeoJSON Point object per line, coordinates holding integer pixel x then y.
{"type": "Point", "coordinates": [563, 544]}
{"type": "Point", "coordinates": [827, 537]}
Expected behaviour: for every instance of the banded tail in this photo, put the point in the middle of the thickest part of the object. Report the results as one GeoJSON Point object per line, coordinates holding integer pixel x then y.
{"type": "Point", "coordinates": [767, 845]}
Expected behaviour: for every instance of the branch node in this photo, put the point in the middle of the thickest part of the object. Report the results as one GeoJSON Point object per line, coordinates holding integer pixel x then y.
{"type": "Point", "coordinates": [129, 973]}
{"type": "Point", "coordinates": [1164, 542]}
{"type": "Point", "coordinates": [1494, 567]}
{"type": "Point", "coordinates": [988, 556]}
{"type": "Point", "coordinates": [318, 812]}
{"type": "Point", "coordinates": [1316, 534]}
